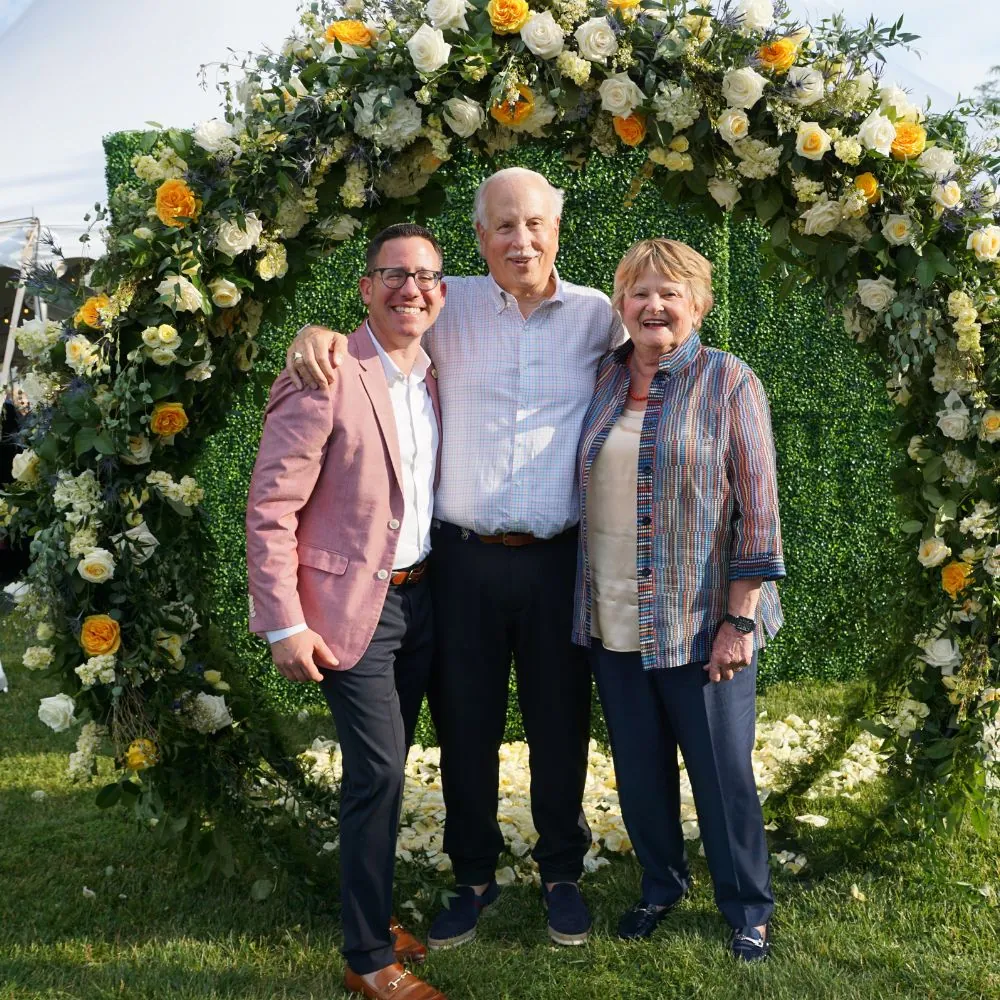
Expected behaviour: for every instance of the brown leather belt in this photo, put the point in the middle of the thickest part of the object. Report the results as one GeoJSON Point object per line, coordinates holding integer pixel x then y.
{"type": "Point", "coordinates": [512, 538]}
{"type": "Point", "coordinates": [413, 574]}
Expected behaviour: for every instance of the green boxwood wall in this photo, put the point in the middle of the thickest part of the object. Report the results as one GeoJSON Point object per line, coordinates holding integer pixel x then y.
{"type": "Point", "coordinates": [830, 413]}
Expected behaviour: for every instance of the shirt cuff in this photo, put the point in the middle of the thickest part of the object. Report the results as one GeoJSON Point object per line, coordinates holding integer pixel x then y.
{"type": "Point", "coordinates": [767, 567]}
{"type": "Point", "coordinates": [283, 633]}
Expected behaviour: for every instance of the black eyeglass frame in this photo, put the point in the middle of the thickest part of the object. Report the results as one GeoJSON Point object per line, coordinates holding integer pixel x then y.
{"type": "Point", "coordinates": [438, 275]}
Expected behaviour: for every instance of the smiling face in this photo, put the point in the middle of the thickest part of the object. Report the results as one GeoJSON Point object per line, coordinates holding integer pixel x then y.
{"type": "Point", "coordinates": [519, 234]}
{"type": "Point", "coordinates": [659, 313]}
{"type": "Point", "coordinates": [400, 316]}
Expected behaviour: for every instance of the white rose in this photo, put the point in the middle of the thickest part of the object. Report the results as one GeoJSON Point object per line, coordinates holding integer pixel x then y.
{"type": "Point", "coordinates": [428, 49]}
{"type": "Point", "coordinates": [948, 195]}
{"type": "Point", "coordinates": [140, 450]}
{"type": "Point", "coordinates": [97, 566]}
{"type": "Point", "coordinates": [898, 229]}
{"type": "Point", "coordinates": [725, 192]}
{"type": "Point", "coordinates": [620, 96]}
{"type": "Point", "coordinates": [991, 561]}
{"type": "Point", "coordinates": [37, 657]}
{"type": "Point", "coordinates": [448, 14]}
{"type": "Point", "coordinates": [199, 372]}
{"type": "Point", "coordinates": [937, 162]}
{"type": "Point", "coordinates": [755, 15]}
{"type": "Point", "coordinates": [805, 86]}
{"type": "Point", "coordinates": [215, 136]}
{"type": "Point", "coordinates": [743, 88]}
{"type": "Point", "coordinates": [985, 243]}
{"type": "Point", "coordinates": [179, 293]}
{"type": "Point", "coordinates": [596, 40]}
{"type": "Point", "coordinates": [232, 240]}
{"type": "Point", "coordinates": [463, 115]}
{"type": "Point", "coordinates": [932, 552]}
{"type": "Point", "coordinates": [339, 227]}
{"type": "Point", "coordinates": [733, 125]}
{"type": "Point", "coordinates": [225, 294]}
{"type": "Point", "coordinates": [822, 218]}
{"type": "Point", "coordinates": [163, 356]}
{"type": "Point", "coordinates": [896, 99]}
{"type": "Point", "coordinates": [914, 448]}
{"type": "Point", "coordinates": [877, 294]}
{"type": "Point", "coordinates": [208, 713]}
{"type": "Point", "coordinates": [57, 712]}
{"type": "Point", "coordinates": [25, 466]}
{"type": "Point", "coordinates": [877, 133]}
{"type": "Point", "coordinates": [543, 36]}
{"type": "Point", "coordinates": [953, 420]}
{"type": "Point", "coordinates": [942, 653]}
{"type": "Point", "coordinates": [811, 141]}
{"type": "Point", "coordinates": [144, 542]}
{"type": "Point", "coordinates": [865, 83]}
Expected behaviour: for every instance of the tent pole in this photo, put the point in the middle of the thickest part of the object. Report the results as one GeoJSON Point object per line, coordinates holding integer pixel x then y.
{"type": "Point", "coordinates": [27, 255]}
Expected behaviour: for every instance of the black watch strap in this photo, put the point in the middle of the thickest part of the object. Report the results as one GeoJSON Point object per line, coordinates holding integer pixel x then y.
{"type": "Point", "coordinates": [741, 624]}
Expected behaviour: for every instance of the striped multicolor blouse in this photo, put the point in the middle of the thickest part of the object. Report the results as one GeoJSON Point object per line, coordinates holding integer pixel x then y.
{"type": "Point", "coordinates": [707, 499]}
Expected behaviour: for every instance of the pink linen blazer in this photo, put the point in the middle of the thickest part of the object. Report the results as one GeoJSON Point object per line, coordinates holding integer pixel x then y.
{"type": "Point", "coordinates": [325, 492]}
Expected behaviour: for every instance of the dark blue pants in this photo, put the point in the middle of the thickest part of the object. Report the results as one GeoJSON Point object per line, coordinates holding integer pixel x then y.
{"type": "Point", "coordinates": [650, 713]}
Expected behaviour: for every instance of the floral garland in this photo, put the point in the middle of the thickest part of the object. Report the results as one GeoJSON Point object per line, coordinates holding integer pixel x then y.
{"type": "Point", "coordinates": [739, 110]}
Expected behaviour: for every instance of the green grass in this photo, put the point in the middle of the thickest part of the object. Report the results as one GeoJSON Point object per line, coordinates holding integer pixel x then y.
{"type": "Point", "coordinates": [151, 933]}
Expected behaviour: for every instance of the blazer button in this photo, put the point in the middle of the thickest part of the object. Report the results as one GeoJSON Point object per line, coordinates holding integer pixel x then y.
{"type": "Point", "coordinates": [383, 574]}
{"type": "Point", "coordinates": [394, 524]}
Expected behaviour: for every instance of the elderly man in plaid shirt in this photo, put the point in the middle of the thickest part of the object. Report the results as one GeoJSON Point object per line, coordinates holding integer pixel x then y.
{"type": "Point", "coordinates": [516, 353]}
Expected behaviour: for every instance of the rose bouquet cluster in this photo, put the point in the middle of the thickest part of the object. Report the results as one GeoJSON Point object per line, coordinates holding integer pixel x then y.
{"type": "Point", "coordinates": [737, 110]}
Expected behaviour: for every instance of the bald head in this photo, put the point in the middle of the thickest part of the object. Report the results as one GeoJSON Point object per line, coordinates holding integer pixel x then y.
{"type": "Point", "coordinates": [516, 176]}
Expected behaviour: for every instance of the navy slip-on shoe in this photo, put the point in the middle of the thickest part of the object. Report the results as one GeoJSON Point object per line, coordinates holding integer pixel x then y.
{"type": "Point", "coordinates": [456, 923]}
{"type": "Point", "coordinates": [569, 918]}
{"type": "Point", "coordinates": [747, 944]}
{"type": "Point", "coordinates": [640, 921]}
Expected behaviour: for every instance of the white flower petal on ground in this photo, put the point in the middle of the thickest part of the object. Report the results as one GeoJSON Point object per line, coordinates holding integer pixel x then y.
{"type": "Point", "coordinates": [813, 820]}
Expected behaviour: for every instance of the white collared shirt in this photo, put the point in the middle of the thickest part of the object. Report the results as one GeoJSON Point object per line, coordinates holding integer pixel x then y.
{"type": "Point", "coordinates": [417, 433]}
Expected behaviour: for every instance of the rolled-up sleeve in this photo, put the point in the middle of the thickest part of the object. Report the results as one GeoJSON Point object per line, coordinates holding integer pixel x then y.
{"type": "Point", "coordinates": [756, 526]}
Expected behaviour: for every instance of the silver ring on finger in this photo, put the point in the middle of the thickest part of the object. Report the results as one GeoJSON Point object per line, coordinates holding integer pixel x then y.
{"type": "Point", "coordinates": [297, 357]}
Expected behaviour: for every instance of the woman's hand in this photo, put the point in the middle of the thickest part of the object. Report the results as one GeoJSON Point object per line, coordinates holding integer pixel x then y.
{"type": "Point", "coordinates": [308, 360]}
{"type": "Point", "coordinates": [731, 652]}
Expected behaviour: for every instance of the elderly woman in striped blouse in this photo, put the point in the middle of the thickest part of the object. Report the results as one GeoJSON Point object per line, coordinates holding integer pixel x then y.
{"type": "Point", "coordinates": [680, 545]}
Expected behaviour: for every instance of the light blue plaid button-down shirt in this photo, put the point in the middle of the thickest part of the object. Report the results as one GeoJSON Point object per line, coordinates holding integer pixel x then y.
{"type": "Point", "coordinates": [514, 393]}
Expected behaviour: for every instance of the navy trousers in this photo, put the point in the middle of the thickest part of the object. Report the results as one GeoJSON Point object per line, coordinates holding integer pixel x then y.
{"type": "Point", "coordinates": [650, 713]}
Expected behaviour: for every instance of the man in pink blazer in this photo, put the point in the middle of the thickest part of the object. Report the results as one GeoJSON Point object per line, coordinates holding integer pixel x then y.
{"type": "Point", "coordinates": [338, 535]}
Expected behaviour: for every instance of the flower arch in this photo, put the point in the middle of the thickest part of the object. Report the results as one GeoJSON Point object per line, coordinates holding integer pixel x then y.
{"type": "Point", "coordinates": [892, 211]}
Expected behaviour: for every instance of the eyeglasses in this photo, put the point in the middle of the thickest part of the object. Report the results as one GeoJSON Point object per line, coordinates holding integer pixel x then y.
{"type": "Point", "coordinates": [395, 277]}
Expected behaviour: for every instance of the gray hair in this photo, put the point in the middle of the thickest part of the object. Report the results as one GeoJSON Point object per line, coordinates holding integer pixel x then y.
{"type": "Point", "coordinates": [557, 195]}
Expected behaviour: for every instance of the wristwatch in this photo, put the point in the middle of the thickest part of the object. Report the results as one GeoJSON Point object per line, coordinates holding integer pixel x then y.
{"type": "Point", "coordinates": [741, 624]}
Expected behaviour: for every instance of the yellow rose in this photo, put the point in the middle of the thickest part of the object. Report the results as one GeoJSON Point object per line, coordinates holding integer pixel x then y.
{"type": "Point", "coordinates": [508, 16]}
{"type": "Point", "coordinates": [910, 140]}
{"type": "Point", "coordinates": [141, 754]}
{"type": "Point", "coordinates": [349, 32]}
{"type": "Point", "coordinates": [868, 184]}
{"type": "Point", "coordinates": [680, 144]}
{"type": "Point", "coordinates": [168, 419]}
{"type": "Point", "coordinates": [100, 635]}
{"type": "Point", "coordinates": [955, 577]}
{"type": "Point", "coordinates": [623, 4]}
{"type": "Point", "coordinates": [176, 204]}
{"type": "Point", "coordinates": [631, 130]}
{"type": "Point", "coordinates": [89, 314]}
{"type": "Point", "coordinates": [989, 426]}
{"type": "Point", "coordinates": [511, 113]}
{"type": "Point", "coordinates": [778, 56]}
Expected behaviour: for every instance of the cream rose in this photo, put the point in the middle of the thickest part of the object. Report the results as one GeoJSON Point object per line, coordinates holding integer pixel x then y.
{"type": "Point", "coordinates": [140, 450]}
{"type": "Point", "coordinates": [225, 294]}
{"type": "Point", "coordinates": [822, 218]}
{"type": "Point", "coordinates": [989, 426]}
{"type": "Point", "coordinates": [232, 240]}
{"type": "Point", "coordinates": [953, 419]}
{"type": "Point", "coordinates": [733, 125]}
{"type": "Point", "coordinates": [877, 294]}
{"type": "Point", "coordinates": [914, 448]}
{"type": "Point", "coordinates": [937, 162]}
{"type": "Point", "coordinates": [448, 14]}
{"type": "Point", "coordinates": [941, 653]}
{"type": "Point", "coordinates": [811, 141]}
{"type": "Point", "coordinates": [743, 88]}
{"type": "Point", "coordinates": [724, 191]}
{"type": "Point", "coordinates": [898, 229]}
{"type": "Point", "coordinates": [804, 86]}
{"type": "Point", "coordinates": [948, 196]}
{"type": "Point", "coordinates": [163, 356]}
{"type": "Point", "coordinates": [97, 566]}
{"type": "Point", "coordinates": [215, 136]}
{"type": "Point", "coordinates": [25, 466]}
{"type": "Point", "coordinates": [338, 227]}
{"type": "Point", "coordinates": [619, 95]}
{"type": "Point", "coordinates": [57, 712]}
{"type": "Point", "coordinates": [595, 40]}
{"type": "Point", "coordinates": [985, 243]}
{"type": "Point", "coordinates": [464, 116]}
{"type": "Point", "coordinates": [542, 36]}
{"type": "Point", "coordinates": [896, 99]}
{"type": "Point", "coordinates": [428, 49]}
{"type": "Point", "coordinates": [755, 15]}
{"type": "Point", "coordinates": [179, 293]}
{"type": "Point", "coordinates": [932, 552]}
{"type": "Point", "coordinates": [139, 541]}
{"type": "Point", "coordinates": [877, 133]}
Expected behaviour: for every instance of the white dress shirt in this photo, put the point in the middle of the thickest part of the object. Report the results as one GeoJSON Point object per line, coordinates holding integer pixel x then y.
{"type": "Point", "coordinates": [514, 393]}
{"type": "Point", "coordinates": [417, 433]}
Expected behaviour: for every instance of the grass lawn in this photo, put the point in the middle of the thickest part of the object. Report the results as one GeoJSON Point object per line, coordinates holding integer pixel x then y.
{"type": "Point", "coordinates": [917, 924]}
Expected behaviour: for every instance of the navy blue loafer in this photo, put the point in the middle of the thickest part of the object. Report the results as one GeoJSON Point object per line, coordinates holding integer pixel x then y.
{"type": "Point", "coordinates": [643, 918]}
{"type": "Point", "coordinates": [748, 944]}
{"type": "Point", "coordinates": [456, 923]}
{"type": "Point", "coordinates": [569, 918]}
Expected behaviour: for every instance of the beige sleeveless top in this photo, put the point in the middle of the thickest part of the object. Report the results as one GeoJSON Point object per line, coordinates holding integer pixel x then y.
{"type": "Point", "coordinates": [611, 535]}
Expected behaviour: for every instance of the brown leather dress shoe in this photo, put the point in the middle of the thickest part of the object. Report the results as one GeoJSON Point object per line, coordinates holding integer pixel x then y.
{"type": "Point", "coordinates": [404, 945]}
{"type": "Point", "coordinates": [391, 983]}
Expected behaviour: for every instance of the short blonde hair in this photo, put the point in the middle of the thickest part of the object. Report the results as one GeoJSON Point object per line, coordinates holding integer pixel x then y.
{"type": "Point", "coordinates": [675, 261]}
